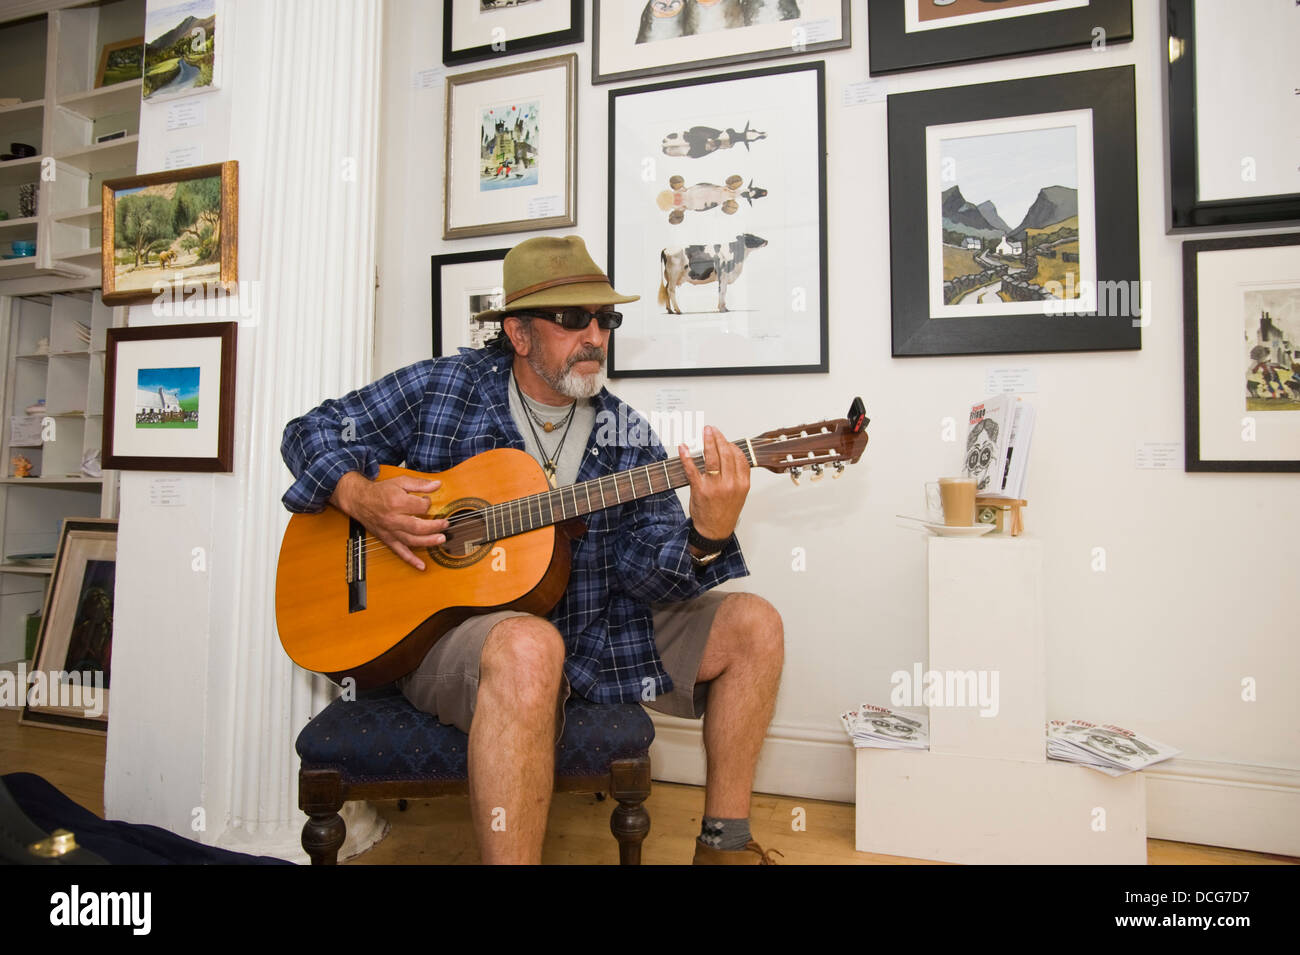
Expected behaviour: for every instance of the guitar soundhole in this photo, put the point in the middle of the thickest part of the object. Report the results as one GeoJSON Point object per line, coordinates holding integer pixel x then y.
{"type": "Point", "coordinates": [464, 545]}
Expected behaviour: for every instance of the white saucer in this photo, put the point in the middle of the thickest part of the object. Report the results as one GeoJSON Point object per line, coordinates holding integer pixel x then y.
{"type": "Point", "coordinates": [952, 530]}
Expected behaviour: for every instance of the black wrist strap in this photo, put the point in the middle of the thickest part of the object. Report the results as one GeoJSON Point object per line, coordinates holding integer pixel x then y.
{"type": "Point", "coordinates": [706, 544]}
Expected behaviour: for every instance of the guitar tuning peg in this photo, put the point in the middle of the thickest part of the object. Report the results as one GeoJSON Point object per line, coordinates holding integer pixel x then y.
{"type": "Point", "coordinates": [817, 472]}
{"type": "Point", "coordinates": [839, 469]}
{"type": "Point", "coordinates": [794, 474]}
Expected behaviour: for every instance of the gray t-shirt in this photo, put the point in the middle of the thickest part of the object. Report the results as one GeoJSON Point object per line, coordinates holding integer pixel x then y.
{"type": "Point", "coordinates": [570, 460]}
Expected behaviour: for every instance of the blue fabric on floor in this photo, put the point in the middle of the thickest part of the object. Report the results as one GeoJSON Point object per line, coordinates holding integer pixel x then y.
{"type": "Point", "coordinates": [121, 843]}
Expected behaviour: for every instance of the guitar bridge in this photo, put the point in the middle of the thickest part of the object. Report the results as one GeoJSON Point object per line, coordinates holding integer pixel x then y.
{"type": "Point", "coordinates": [356, 566]}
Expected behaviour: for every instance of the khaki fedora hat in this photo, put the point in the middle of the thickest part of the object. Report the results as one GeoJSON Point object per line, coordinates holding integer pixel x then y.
{"type": "Point", "coordinates": [550, 271]}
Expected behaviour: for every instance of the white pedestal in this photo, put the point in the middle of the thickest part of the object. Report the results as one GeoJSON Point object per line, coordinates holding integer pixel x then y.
{"type": "Point", "coordinates": [970, 809]}
{"type": "Point", "coordinates": [987, 630]}
{"type": "Point", "coordinates": [985, 792]}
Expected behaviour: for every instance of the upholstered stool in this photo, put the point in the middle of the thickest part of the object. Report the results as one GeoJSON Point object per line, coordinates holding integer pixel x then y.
{"type": "Point", "coordinates": [379, 746]}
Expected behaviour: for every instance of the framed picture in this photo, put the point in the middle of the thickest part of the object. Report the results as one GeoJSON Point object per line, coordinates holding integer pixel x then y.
{"type": "Point", "coordinates": [180, 50]}
{"type": "Point", "coordinates": [717, 219]}
{"type": "Point", "coordinates": [1232, 76]}
{"type": "Point", "coordinates": [511, 150]}
{"type": "Point", "coordinates": [171, 229]}
{"type": "Point", "coordinates": [120, 62]}
{"type": "Point", "coordinates": [72, 666]}
{"type": "Point", "coordinates": [1013, 216]}
{"type": "Point", "coordinates": [636, 38]}
{"type": "Point", "coordinates": [919, 34]}
{"type": "Point", "coordinates": [169, 398]}
{"type": "Point", "coordinates": [1241, 353]}
{"type": "Point", "coordinates": [475, 30]}
{"type": "Point", "coordinates": [464, 284]}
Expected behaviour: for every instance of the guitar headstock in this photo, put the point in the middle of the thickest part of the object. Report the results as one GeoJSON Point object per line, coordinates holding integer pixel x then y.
{"type": "Point", "coordinates": [836, 443]}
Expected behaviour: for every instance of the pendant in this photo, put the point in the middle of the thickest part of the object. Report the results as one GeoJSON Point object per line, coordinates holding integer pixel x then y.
{"type": "Point", "coordinates": [548, 426]}
{"type": "Point", "coordinates": [549, 469]}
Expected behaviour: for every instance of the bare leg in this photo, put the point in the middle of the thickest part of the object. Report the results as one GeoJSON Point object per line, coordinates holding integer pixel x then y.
{"type": "Point", "coordinates": [743, 659]}
{"type": "Point", "coordinates": [512, 739]}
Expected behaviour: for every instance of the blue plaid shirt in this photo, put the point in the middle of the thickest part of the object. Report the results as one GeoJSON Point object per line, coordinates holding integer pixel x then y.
{"type": "Point", "coordinates": [435, 414]}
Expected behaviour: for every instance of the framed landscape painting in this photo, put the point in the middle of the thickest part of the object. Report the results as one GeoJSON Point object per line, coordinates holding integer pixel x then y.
{"type": "Point", "coordinates": [180, 49]}
{"type": "Point", "coordinates": [169, 231]}
{"type": "Point", "coordinates": [475, 30]}
{"type": "Point", "coordinates": [1013, 216]}
{"type": "Point", "coordinates": [636, 38]}
{"type": "Point", "coordinates": [918, 34]}
{"type": "Point", "coordinates": [510, 149]}
{"type": "Point", "coordinates": [717, 220]}
{"type": "Point", "coordinates": [169, 397]}
{"type": "Point", "coordinates": [1241, 353]}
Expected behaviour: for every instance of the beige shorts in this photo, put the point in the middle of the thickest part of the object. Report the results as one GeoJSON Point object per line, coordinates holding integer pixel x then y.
{"type": "Point", "coordinates": [445, 684]}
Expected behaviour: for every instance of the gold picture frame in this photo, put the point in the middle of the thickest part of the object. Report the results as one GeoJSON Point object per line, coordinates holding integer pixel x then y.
{"type": "Point", "coordinates": [213, 259]}
{"type": "Point", "coordinates": [111, 48]}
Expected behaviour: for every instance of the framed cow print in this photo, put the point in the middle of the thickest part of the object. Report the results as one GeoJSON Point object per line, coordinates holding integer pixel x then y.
{"type": "Point", "coordinates": [717, 219]}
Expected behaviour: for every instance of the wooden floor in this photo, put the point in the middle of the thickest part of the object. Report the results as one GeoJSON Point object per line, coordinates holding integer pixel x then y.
{"type": "Point", "coordinates": [437, 831]}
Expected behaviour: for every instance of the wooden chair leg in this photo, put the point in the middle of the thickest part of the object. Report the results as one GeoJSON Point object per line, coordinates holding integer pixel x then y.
{"type": "Point", "coordinates": [630, 822]}
{"type": "Point", "coordinates": [320, 795]}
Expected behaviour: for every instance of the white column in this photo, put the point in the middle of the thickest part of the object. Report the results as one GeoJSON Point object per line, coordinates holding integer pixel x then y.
{"type": "Point", "coordinates": [206, 705]}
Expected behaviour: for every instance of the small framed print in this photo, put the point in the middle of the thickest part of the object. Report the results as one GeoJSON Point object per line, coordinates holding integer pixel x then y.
{"type": "Point", "coordinates": [475, 30]}
{"type": "Point", "coordinates": [173, 229]}
{"type": "Point", "coordinates": [919, 34]}
{"type": "Point", "coordinates": [1013, 216]}
{"type": "Point", "coordinates": [181, 54]}
{"type": "Point", "coordinates": [169, 398]}
{"type": "Point", "coordinates": [637, 38]}
{"type": "Point", "coordinates": [1233, 111]}
{"type": "Point", "coordinates": [1241, 353]}
{"type": "Point", "coordinates": [120, 62]}
{"type": "Point", "coordinates": [727, 244]}
{"type": "Point", "coordinates": [69, 684]}
{"type": "Point", "coordinates": [511, 159]}
{"type": "Point", "coordinates": [464, 284]}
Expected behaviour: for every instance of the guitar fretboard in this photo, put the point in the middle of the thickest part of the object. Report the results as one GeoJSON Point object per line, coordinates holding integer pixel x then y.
{"type": "Point", "coordinates": [574, 500]}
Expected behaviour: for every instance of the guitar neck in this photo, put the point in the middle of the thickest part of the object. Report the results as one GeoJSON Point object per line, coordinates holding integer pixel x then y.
{"type": "Point", "coordinates": [574, 500]}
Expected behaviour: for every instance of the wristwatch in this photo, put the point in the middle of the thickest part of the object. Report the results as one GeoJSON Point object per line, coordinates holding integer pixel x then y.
{"type": "Point", "coordinates": [713, 548]}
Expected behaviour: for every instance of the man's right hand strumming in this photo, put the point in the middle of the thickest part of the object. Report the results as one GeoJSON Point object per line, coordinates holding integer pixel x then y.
{"type": "Point", "coordinates": [393, 510]}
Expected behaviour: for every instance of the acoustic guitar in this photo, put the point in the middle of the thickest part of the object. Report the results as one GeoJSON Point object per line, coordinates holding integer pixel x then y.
{"type": "Point", "coordinates": [347, 606]}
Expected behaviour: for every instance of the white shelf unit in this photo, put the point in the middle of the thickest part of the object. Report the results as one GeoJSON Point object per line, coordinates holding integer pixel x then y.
{"type": "Point", "coordinates": [70, 377]}
{"type": "Point", "coordinates": [50, 62]}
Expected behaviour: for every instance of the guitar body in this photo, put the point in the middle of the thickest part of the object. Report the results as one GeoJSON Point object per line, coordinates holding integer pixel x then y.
{"type": "Point", "coordinates": [347, 606]}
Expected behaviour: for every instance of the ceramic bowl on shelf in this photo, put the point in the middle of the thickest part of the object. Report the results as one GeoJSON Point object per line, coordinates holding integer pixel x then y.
{"type": "Point", "coordinates": [22, 150]}
{"type": "Point", "coordinates": [23, 247]}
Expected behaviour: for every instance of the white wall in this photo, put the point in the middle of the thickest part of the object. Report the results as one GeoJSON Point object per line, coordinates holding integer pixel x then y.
{"type": "Point", "coordinates": [1200, 580]}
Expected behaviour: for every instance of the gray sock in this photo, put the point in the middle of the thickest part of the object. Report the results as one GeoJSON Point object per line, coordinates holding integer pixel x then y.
{"type": "Point", "coordinates": [725, 834]}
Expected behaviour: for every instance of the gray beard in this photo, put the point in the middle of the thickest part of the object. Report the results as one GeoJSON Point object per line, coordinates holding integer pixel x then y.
{"type": "Point", "coordinates": [571, 384]}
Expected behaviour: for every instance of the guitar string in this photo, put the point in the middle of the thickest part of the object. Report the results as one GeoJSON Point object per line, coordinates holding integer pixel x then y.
{"type": "Point", "coordinates": [524, 505]}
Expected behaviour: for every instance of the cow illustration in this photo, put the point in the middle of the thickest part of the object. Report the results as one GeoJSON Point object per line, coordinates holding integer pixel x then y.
{"type": "Point", "coordinates": [701, 141]}
{"type": "Point", "coordinates": [681, 198]}
{"type": "Point", "coordinates": [702, 264]}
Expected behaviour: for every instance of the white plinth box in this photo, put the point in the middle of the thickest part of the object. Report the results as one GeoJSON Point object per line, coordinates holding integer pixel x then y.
{"type": "Point", "coordinates": [985, 792]}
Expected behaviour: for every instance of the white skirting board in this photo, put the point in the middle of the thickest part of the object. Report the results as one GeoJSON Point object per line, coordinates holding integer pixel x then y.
{"type": "Point", "coordinates": [1202, 802]}
{"type": "Point", "coordinates": [971, 809]}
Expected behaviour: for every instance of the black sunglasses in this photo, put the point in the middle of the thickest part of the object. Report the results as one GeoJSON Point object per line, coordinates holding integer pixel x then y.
{"type": "Point", "coordinates": [574, 318]}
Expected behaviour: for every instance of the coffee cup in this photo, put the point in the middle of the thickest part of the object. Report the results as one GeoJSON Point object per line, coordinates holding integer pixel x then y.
{"type": "Point", "coordinates": [956, 501]}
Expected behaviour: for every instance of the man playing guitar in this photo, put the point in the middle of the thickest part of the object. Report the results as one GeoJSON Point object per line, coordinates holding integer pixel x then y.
{"type": "Point", "coordinates": [637, 623]}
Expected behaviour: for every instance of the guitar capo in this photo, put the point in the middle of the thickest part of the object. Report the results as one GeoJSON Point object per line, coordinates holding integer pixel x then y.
{"type": "Point", "coordinates": [858, 416]}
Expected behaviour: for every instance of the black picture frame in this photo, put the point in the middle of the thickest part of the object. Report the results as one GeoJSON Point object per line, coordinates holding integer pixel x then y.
{"type": "Point", "coordinates": [672, 64]}
{"type": "Point", "coordinates": [893, 49]}
{"type": "Point", "coordinates": [1110, 94]}
{"type": "Point", "coordinates": [1186, 209]}
{"type": "Point", "coordinates": [437, 265]}
{"type": "Point", "coordinates": [816, 166]}
{"type": "Point", "coordinates": [1192, 333]}
{"type": "Point", "coordinates": [513, 45]}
